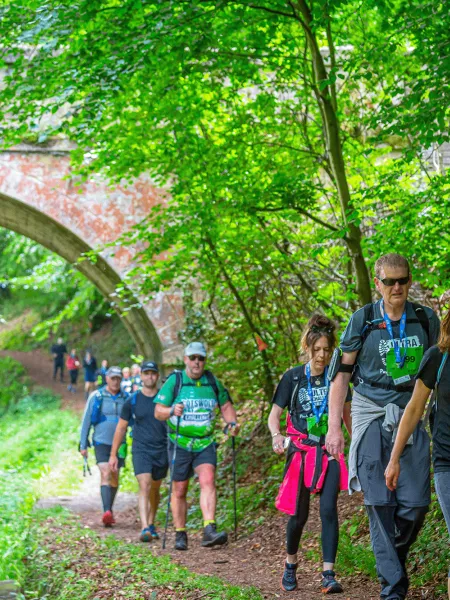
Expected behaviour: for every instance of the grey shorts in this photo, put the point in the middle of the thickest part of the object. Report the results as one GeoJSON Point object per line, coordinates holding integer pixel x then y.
{"type": "Point", "coordinates": [413, 488]}
{"type": "Point", "coordinates": [186, 462]}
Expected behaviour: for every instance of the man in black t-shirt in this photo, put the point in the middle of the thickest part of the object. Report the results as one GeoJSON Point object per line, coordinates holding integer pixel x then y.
{"type": "Point", "coordinates": [58, 350]}
{"type": "Point", "coordinates": [150, 459]}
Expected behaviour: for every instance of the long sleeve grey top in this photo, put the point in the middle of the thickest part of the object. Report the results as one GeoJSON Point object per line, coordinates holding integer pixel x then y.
{"type": "Point", "coordinates": [111, 408]}
{"type": "Point", "coordinates": [364, 411]}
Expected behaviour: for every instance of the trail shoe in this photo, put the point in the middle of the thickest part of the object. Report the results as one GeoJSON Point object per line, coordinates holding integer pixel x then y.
{"type": "Point", "coordinates": [153, 532]}
{"type": "Point", "coordinates": [211, 537]}
{"type": "Point", "coordinates": [181, 540]}
{"type": "Point", "coordinates": [146, 535]}
{"type": "Point", "coordinates": [329, 583]}
{"type": "Point", "coordinates": [108, 519]}
{"type": "Point", "coordinates": [289, 579]}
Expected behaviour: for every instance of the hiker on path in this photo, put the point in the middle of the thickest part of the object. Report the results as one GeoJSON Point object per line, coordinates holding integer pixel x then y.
{"type": "Point", "coordinates": [303, 391]}
{"type": "Point", "coordinates": [382, 347]}
{"type": "Point", "coordinates": [90, 370]}
{"type": "Point", "coordinates": [434, 362]}
{"type": "Point", "coordinates": [102, 412]}
{"type": "Point", "coordinates": [73, 366]}
{"type": "Point", "coordinates": [150, 460]}
{"type": "Point", "coordinates": [101, 373]}
{"type": "Point", "coordinates": [126, 385]}
{"type": "Point", "coordinates": [58, 350]}
{"type": "Point", "coordinates": [136, 380]}
{"type": "Point", "coordinates": [190, 398]}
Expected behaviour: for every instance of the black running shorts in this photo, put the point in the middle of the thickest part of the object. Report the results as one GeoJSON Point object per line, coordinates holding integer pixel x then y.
{"type": "Point", "coordinates": [151, 461]}
{"type": "Point", "coordinates": [103, 452]}
{"type": "Point", "coordinates": [186, 462]}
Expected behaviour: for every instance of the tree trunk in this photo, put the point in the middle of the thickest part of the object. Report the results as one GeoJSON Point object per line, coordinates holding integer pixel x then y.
{"type": "Point", "coordinates": [334, 148]}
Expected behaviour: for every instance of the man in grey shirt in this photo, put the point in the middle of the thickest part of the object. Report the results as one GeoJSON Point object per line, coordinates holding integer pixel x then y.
{"type": "Point", "coordinates": [382, 348]}
{"type": "Point", "coordinates": [102, 412]}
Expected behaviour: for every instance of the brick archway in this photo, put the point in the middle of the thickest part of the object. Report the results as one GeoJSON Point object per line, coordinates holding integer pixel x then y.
{"type": "Point", "coordinates": [41, 200]}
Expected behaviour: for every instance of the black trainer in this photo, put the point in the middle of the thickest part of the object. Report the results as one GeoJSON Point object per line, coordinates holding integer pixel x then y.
{"type": "Point", "coordinates": [211, 537]}
{"type": "Point", "coordinates": [289, 579]}
{"type": "Point", "coordinates": [329, 583]}
{"type": "Point", "coordinates": [181, 540]}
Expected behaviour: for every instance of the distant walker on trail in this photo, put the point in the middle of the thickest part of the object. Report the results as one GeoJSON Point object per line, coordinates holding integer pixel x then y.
{"type": "Point", "coordinates": [102, 412]}
{"type": "Point", "coordinates": [189, 398]}
{"type": "Point", "coordinates": [58, 350]}
{"type": "Point", "coordinates": [303, 391]}
{"type": "Point", "coordinates": [150, 460]}
{"type": "Point", "coordinates": [381, 350]}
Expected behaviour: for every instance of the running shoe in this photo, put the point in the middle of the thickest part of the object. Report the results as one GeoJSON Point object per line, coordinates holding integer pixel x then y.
{"type": "Point", "coordinates": [108, 519]}
{"type": "Point", "coordinates": [212, 537]}
{"type": "Point", "coordinates": [181, 542]}
{"type": "Point", "coordinates": [146, 535]}
{"type": "Point", "coordinates": [329, 583]}
{"type": "Point", "coordinates": [289, 579]}
{"type": "Point", "coordinates": [154, 533]}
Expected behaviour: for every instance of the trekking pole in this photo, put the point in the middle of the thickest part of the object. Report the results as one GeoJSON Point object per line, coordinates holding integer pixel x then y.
{"type": "Point", "coordinates": [86, 467]}
{"type": "Point", "coordinates": [233, 448]}
{"type": "Point", "coordinates": [172, 469]}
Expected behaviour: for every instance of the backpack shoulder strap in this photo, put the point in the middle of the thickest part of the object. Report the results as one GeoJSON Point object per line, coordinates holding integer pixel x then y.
{"type": "Point", "coordinates": [433, 398]}
{"type": "Point", "coordinates": [97, 407]}
{"type": "Point", "coordinates": [296, 382]}
{"type": "Point", "coordinates": [368, 321]}
{"type": "Point", "coordinates": [178, 383]}
{"type": "Point", "coordinates": [423, 318]}
{"type": "Point", "coordinates": [213, 383]}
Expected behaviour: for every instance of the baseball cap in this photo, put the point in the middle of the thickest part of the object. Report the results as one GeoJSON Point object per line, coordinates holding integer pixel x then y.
{"type": "Point", "coordinates": [114, 372]}
{"type": "Point", "coordinates": [195, 348]}
{"type": "Point", "coordinates": [149, 365]}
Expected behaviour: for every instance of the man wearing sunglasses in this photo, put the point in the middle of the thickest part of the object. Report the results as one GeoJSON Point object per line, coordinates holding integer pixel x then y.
{"type": "Point", "coordinates": [381, 350]}
{"type": "Point", "coordinates": [192, 397]}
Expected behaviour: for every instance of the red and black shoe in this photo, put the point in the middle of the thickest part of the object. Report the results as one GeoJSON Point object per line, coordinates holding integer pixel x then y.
{"type": "Point", "coordinates": [108, 519]}
{"type": "Point", "coordinates": [329, 583]}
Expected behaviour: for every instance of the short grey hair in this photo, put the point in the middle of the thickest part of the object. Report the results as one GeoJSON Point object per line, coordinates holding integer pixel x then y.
{"type": "Point", "coordinates": [391, 260]}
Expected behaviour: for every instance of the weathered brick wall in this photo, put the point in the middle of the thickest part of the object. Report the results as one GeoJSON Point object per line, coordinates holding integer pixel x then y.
{"type": "Point", "coordinates": [42, 200]}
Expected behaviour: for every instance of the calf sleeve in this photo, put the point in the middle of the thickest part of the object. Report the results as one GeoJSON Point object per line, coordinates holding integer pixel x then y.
{"type": "Point", "coordinates": [105, 491]}
{"type": "Point", "coordinates": [113, 494]}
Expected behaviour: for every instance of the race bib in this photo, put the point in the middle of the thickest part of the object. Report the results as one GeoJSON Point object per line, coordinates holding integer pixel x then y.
{"type": "Point", "coordinates": [317, 429]}
{"type": "Point", "coordinates": [411, 366]}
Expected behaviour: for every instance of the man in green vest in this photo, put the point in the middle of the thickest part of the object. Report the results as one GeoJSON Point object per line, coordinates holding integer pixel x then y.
{"type": "Point", "coordinates": [191, 396]}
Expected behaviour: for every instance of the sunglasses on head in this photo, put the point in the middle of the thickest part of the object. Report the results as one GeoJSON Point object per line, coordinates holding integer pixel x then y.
{"type": "Point", "coordinates": [197, 357]}
{"type": "Point", "coordinates": [318, 329]}
{"type": "Point", "coordinates": [391, 281]}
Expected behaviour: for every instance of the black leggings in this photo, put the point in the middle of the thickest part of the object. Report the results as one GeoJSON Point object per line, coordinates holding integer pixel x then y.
{"type": "Point", "coordinates": [328, 515]}
{"type": "Point", "coordinates": [73, 376]}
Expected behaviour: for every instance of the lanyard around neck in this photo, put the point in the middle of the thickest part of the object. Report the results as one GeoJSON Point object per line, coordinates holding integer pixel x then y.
{"type": "Point", "coordinates": [317, 412]}
{"type": "Point", "coordinates": [399, 359]}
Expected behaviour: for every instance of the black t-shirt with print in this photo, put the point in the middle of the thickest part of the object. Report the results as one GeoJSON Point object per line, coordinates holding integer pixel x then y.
{"type": "Point", "coordinates": [300, 406]}
{"type": "Point", "coordinates": [428, 371]}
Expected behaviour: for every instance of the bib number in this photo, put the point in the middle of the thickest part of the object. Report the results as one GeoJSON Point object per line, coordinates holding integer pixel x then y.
{"type": "Point", "coordinates": [317, 429]}
{"type": "Point", "coordinates": [413, 359]}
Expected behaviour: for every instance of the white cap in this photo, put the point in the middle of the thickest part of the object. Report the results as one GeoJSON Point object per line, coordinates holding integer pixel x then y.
{"type": "Point", "coordinates": [195, 348]}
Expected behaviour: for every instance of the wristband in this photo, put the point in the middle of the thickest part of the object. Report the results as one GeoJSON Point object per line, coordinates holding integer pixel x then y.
{"type": "Point", "coordinates": [172, 410]}
{"type": "Point", "coordinates": [275, 434]}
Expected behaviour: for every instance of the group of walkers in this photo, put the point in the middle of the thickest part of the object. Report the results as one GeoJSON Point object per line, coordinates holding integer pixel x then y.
{"type": "Point", "coordinates": [187, 402]}
{"type": "Point", "coordinates": [391, 354]}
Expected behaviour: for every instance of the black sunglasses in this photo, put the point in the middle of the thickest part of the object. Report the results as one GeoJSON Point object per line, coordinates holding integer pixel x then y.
{"type": "Point", "coordinates": [196, 357]}
{"type": "Point", "coordinates": [391, 281]}
{"type": "Point", "coordinates": [318, 329]}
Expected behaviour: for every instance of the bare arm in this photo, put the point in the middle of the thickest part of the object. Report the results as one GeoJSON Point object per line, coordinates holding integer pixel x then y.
{"type": "Point", "coordinates": [348, 417]}
{"type": "Point", "coordinates": [338, 392]}
{"type": "Point", "coordinates": [229, 414]}
{"type": "Point", "coordinates": [274, 428]}
{"type": "Point", "coordinates": [119, 434]}
{"type": "Point", "coordinates": [163, 413]}
{"type": "Point", "coordinates": [408, 423]}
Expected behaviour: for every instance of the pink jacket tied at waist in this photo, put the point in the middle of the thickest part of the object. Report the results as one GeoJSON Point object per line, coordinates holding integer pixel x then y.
{"type": "Point", "coordinates": [314, 461]}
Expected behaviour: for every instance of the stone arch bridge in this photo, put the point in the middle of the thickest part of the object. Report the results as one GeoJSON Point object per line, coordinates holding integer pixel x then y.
{"type": "Point", "coordinates": [39, 199]}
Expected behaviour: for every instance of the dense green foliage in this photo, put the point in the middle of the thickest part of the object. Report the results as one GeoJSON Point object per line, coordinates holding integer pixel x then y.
{"type": "Point", "coordinates": [294, 136]}
{"type": "Point", "coordinates": [34, 434]}
{"type": "Point", "coordinates": [12, 383]}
